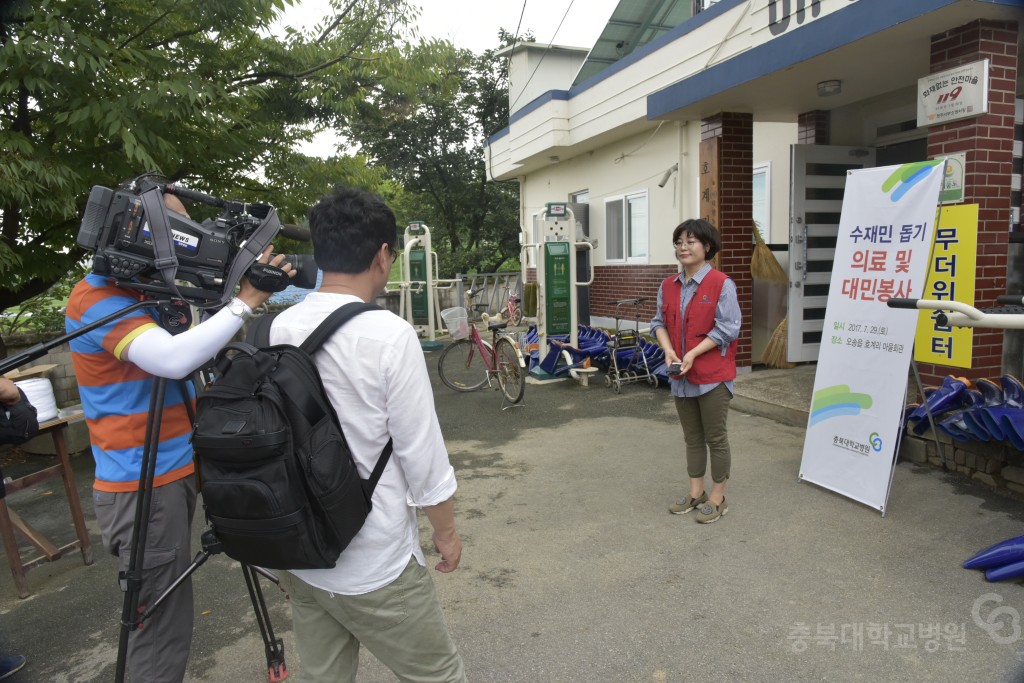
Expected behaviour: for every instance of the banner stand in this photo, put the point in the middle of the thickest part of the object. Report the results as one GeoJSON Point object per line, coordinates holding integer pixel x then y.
{"type": "Point", "coordinates": [885, 239]}
{"type": "Point", "coordinates": [931, 418]}
{"type": "Point", "coordinates": [900, 435]}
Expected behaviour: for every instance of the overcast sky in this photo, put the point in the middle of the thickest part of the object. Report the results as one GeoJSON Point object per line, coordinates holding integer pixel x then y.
{"type": "Point", "coordinates": [474, 24]}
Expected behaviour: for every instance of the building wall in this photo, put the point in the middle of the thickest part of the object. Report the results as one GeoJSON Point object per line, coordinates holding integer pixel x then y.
{"type": "Point", "coordinates": [771, 143]}
{"type": "Point", "coordinates": [528, 82]}
{"type": "Point", "coordinates": [987, 141]}
{"type": "Point", "coordinates": [635, 164]}
{"type": "Point", "coordinates": [857, 124]}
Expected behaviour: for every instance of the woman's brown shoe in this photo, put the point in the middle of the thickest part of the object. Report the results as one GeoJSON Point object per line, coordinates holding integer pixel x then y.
{"type": "Point", "coordinates": [681, 507]}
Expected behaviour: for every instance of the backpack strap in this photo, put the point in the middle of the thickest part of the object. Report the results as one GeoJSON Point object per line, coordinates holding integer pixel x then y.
{"type": "Point", "coordinates": [335, 320]}
{"type": "Point", "coordinates": [370, 484]}
{"type": "Point", "coordinates": [313, 342]}
{"type": "Point", "coordinates": [259, 330]}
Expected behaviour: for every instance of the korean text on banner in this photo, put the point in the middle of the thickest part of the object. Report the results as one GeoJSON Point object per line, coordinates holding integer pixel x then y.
{"type": "Point", "coordinates": [951, 277]}
{"type": "Point", "coordinates": [885, 233]}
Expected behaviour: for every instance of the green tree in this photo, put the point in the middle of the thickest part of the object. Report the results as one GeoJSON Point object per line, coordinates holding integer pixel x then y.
{"type": "Point", "coordinates": [433, 145]}
{"type": "Point", "coordinates": [205, 91]}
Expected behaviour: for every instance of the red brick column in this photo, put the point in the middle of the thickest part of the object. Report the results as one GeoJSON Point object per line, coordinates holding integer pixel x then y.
{"type": "Point", "coordinates": [814, 127]}
{"type": "Point", "coordinates": [988, 143]}
{"type": "Point", "coordinates": [735, 211]}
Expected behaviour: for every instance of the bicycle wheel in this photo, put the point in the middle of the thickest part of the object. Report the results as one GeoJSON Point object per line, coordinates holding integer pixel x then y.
{"type": "Point", "coordinates": [462, 367]}
{"type": "Point", "coordinates": [516, 319]}
{"type": "Point", "coordinates": [511, 376]}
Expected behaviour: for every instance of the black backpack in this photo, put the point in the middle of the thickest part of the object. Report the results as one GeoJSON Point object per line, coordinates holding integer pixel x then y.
{"type": "Point", "coordinates": [279, 486]}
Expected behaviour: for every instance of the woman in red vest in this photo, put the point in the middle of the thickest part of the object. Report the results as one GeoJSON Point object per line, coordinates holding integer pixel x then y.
{"type": "Point", "coordinates": [697, 324]}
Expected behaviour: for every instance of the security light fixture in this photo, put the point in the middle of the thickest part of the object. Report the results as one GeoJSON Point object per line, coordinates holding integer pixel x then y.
{"type": "Point", "coordinates": [829, 88]}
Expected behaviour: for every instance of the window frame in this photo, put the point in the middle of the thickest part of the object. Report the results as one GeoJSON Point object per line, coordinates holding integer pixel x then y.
{"type": "Point", "coordinates": [624, 235]}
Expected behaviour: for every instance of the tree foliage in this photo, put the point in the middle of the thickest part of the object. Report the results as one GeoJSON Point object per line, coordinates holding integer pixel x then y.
{"type": "Point", "coordinates": [433, 145]}
{"type": "Point", "coordinates": [204, 91]}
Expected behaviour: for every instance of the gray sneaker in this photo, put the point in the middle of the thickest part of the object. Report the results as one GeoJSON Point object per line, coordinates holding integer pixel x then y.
{"type": "Point", "coordinates": [681, 507]}
{"type": "Point", "coordinates": [709, 512]}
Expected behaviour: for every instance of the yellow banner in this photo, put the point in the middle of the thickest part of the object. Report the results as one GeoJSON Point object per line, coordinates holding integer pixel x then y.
{"type": "Point", "coordinates": [951, 276]}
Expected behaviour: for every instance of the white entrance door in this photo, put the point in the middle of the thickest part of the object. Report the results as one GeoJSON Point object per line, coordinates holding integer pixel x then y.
{"type": "Point", "coordinates": [816, 200]}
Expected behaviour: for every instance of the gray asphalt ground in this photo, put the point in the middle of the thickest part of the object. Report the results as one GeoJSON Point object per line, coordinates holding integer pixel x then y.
{"type": "Point", "coordinates": [573, 570]}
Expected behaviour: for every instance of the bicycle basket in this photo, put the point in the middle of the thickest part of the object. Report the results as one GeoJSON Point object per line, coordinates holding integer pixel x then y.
{"type": "Point", "coordinates": [457, 321]}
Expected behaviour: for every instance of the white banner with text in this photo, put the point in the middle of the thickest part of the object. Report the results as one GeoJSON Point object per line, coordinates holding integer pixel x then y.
{"type": "Point", "coordinates": [882, 252]}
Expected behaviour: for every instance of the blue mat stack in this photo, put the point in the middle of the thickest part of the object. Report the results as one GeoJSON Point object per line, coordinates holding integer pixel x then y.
{"type": "Point", "coordinates": [592, 351]}
{"type": "Point", "coordinates": [1002, 561]}
{"type": "Point", "coordinates": [983, 410]}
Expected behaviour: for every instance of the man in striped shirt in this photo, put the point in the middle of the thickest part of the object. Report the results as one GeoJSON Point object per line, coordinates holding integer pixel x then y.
{"type": "Point", "coordinates": [117, 366]}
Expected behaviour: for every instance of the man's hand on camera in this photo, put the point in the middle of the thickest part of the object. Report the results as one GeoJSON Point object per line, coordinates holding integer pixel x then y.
{"type": "Point", "coordinates": [254, 297]}
{"type": "Point", "coordinates": [174, 204]}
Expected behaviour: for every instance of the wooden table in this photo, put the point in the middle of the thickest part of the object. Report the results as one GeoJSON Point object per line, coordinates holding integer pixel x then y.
{"type": "Point", "coordinates": [11, 521]}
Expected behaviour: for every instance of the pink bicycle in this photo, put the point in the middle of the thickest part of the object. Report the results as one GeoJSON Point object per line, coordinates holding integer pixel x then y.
{"type": "Point", "coordinates": [469, 364]}
{"type": "Point", "coordinates": [510, 312]}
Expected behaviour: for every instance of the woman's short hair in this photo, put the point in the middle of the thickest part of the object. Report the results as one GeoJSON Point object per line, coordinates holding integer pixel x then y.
{"type": "Point", "coordinates": [700, 229]}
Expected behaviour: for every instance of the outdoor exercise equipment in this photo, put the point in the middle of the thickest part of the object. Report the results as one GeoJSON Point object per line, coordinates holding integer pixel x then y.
{"type": "Point", "coordinates": [418, 299]}
{"type": "Point", "coordinates": [557, 288]}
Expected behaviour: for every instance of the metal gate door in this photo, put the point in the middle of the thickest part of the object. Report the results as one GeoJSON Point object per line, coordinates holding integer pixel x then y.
{"type": "Point", "coordinates": [816, 199]}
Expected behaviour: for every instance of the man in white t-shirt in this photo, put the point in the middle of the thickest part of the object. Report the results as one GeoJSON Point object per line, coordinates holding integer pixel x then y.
{"type": "Point", "coordinates": [380, 594]}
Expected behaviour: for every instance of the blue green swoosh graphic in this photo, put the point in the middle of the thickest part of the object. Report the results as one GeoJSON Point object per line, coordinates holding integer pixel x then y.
{"type": "Point", "coordinates": [908, 175]}
{"type": "Point", "coordinates": [836, 401]}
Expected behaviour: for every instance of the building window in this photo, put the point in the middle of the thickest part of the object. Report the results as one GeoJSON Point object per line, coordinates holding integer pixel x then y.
{"type": "Point", "coordinates": [581, 197]}
{"type": "Point", "coordinates": [626, 228]}
{"type": "Point", "coordinates": [761, 199]}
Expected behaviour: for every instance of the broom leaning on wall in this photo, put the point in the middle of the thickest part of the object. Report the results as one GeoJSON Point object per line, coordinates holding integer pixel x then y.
{"type": "Point", "coordinates": [764, 266]}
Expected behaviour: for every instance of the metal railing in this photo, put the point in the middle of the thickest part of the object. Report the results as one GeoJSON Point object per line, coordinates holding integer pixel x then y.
{"type": "Point", "coordinates": [493, 296]}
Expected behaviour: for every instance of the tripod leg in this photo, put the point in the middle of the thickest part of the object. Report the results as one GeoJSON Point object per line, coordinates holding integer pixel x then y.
{"type": "Point", "coordinates": [131, 579]}
{"type": "Point", "coordinates": [197, 562]}
{"type": "Point", "coordinates": [277, 670]}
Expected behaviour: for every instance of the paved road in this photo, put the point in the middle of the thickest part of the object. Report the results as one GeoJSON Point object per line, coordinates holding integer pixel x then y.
{"type": "Point", "coordinates": [574, 571]}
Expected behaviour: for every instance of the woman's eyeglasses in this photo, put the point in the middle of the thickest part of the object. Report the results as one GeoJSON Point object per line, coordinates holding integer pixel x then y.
{"type": "Point", "coordinates": [689, 243]}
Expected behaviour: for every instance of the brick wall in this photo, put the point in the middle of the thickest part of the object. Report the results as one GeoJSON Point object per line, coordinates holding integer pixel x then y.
{"type": "Point", "coordinates": [627, 282]}
{"type": "Point", "coordinates": [987, 141]}
{"type": "Point", "coordinates": [813, 127]}
{"type": "Point", "coordinates": [735, 211]}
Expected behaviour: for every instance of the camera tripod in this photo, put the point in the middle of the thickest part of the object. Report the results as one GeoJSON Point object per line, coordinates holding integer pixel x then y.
{"type": "Point", "coordinates": [173, 317]}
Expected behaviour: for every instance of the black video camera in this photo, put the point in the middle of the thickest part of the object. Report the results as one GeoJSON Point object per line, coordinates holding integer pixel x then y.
{"type": "Point", "coordinates": [132, 234]}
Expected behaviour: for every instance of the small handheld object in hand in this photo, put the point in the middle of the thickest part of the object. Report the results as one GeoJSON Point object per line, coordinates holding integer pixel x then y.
{"type": "Point", "coordinates": [675, 368]}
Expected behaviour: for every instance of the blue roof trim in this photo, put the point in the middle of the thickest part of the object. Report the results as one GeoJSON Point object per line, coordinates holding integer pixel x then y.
{"type": "Point", "coordinates": [549, 96]}
{"type": "Point", "coordinates": [690, 24]}
{"type": "Point", "coordinates": [842, 27]}
{"type": "Point", "coordinates": [830, 32]}
{"type": "Point", "coordinates": [539, 102]}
